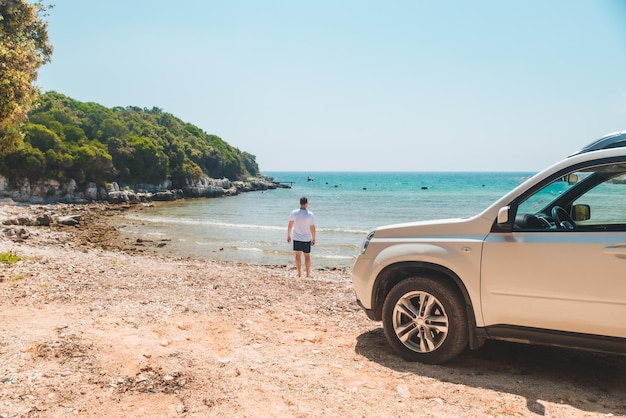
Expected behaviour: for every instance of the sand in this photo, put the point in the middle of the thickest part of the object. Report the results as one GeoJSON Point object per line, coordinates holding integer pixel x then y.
{"type": "Point", "coordinates": [97, 324]}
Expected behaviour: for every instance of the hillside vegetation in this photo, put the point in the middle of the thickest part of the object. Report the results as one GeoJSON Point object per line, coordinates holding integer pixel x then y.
{"type": "Point", "coordinates": [67, 139]}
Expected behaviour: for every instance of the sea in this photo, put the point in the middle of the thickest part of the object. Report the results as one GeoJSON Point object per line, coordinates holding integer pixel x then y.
{"type": "Point", "coordinates": [252, 227]}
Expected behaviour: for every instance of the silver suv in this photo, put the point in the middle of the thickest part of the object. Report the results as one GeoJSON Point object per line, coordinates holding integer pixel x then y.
{"type": "Point", "coordinates": [545, 264]}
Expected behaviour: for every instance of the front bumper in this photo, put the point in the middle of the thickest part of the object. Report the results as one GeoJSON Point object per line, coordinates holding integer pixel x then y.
{"type": "Point", "coordinates": [368, 312]}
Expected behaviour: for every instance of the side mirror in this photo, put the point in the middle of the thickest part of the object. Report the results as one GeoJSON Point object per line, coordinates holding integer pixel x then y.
{"type": "Point", "coordinates": [571, 178]}
{"type": "Point", "coordinates": [581, 212]}
{"type": "Point", "coordinates": [503, 216]}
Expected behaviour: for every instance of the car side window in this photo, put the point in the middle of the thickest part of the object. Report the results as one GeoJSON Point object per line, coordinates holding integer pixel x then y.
{"type": "Point", "coordinates": [593, 198]}
{"type": "Point", "coordinates": [607, 203]}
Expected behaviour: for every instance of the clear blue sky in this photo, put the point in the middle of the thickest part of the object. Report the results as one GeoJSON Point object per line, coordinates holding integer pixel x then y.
{"type": "Point", "coordinates": [358, 85]}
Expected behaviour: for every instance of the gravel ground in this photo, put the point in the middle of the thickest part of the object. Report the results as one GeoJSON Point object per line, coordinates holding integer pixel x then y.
{"type": "Point", "coordinates": [97, 324]}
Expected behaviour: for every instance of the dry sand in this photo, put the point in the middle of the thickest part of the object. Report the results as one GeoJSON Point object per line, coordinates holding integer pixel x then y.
{"type": "Point", "coordinates": [95, 324]}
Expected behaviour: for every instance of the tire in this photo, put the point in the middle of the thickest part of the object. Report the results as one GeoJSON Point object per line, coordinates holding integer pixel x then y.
{"type": "Point", "coordinates": [425, 320]}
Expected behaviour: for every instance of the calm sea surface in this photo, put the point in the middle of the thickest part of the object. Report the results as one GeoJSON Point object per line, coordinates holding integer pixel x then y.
{"type": "Point", "coordinates": [252, 227]}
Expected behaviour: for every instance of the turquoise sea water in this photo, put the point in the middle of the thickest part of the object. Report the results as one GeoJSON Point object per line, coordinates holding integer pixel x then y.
{"type": "Point", "coordinates": [252, 227]}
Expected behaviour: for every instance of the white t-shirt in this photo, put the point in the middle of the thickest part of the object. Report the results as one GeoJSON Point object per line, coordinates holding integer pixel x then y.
{"type": "Point", "coordinates": [303, 219]}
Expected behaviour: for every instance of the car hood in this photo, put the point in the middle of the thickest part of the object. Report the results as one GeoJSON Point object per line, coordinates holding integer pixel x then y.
{"type": "Point", "coordinates": [436, 228]}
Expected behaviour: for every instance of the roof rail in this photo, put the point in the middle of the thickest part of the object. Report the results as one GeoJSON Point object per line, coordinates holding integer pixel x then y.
{"type": "Point", "coordinates": [613, 140]}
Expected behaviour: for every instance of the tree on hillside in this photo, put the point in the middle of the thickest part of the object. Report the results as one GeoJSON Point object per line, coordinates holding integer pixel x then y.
{"type": "Point", "coordinates": [65, 138]}
{"type": "Point", "coordinates": [24, 48]}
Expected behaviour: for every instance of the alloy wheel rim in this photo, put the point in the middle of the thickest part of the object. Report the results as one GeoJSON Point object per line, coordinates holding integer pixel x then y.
{"type": "Point", "coordinates": [420, 321]}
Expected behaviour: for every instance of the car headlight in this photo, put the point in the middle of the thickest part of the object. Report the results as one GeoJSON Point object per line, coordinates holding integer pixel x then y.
{"type": "Point", "coordinates": [366, 241]}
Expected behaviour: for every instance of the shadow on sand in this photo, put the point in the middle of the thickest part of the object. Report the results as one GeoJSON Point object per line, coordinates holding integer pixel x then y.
{"type": "Point", "coordinates": [597, 380]}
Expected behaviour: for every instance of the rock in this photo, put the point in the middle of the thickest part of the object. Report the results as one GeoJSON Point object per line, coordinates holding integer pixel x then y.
{"type": "Point", "coordinates": [117, 197]}
{"type": "Point", "coordinates": [43, 220]}
{"type": "Point", "coordinates": [403, 391]}
{"type": "Point", "coordinates": [18, 221]}
{"type": "Point", "coordinates": [24, 221]}
{"type": "Point", "coordinates": [164, 196]}
{"type": "Point", "coordinates": [112, 187]}
{"type": "Point", "coordinates": [91, 192]}
{"type": "Point", "coordinates": [16, 233]}
{"type": "Point", "coordinates": [70, 220]}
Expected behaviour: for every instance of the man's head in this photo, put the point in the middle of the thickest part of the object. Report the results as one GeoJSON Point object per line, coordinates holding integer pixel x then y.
{"type": "Point", "coordinates": [303, 201]}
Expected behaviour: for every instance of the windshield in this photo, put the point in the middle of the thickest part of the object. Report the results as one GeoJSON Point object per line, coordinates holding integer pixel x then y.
{"type": "Point", "coordinates": [543, 198]}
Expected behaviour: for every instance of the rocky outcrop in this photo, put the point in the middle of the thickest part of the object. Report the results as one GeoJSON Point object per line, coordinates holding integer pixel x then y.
{"type": "Point", "coordinates": [256, 184]}
{"type": "Point", "coordinates": [52, 191]}
{"type": "Point", "coordinates": [208, 187]}
{"type": "Point", "coordinates": [15, 228]}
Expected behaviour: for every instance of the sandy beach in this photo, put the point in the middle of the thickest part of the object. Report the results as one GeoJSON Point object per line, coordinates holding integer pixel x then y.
{"type": "Point", "coordinates": [97, 324]}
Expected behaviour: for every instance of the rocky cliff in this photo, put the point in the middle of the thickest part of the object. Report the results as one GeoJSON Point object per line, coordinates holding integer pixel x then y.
{"type": "Point", "coordinates": [52, 191]}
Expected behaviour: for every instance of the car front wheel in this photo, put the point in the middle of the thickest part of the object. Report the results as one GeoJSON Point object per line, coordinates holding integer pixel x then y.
{"type": "Point", "coordinates": [425, 320]}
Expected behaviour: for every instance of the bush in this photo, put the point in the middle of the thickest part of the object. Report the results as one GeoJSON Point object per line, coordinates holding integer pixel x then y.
{"type": "Point", "coordinates": [9, 257]}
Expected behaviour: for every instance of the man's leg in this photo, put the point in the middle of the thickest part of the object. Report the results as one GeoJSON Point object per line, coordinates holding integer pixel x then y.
{"type": "Point", "coordinates": [307, 264]}
{"type": "Point", "coordinates": [299, 263]}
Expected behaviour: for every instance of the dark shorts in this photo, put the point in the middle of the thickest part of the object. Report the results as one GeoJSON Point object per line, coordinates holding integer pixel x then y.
{"type": "Point", "coordinates": [305, 247]}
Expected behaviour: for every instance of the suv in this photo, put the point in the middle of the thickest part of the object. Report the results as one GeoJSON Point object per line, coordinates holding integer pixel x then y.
{"type": "Point", "coordinates": [545, 264]}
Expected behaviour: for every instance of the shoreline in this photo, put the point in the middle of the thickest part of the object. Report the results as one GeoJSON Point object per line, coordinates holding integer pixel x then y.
{"type": "Point", "coordinates": [105, 226]}
{"type": "Point", "coordinates": [166, 240]}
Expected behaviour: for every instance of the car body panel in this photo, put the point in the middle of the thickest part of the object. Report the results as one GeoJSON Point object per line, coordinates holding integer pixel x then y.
{"type": "Point", "coordinates": [432, 242]}
{"type": "Point", "coordinates": [568, 281]}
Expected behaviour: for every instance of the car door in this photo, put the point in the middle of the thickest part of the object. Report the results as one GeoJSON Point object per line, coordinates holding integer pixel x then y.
{"type": "Point", "coordinates": [561, 279]}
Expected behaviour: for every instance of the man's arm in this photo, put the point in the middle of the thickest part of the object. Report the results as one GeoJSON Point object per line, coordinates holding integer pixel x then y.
{"type": "Point", "coordinates": [289, 228]}
{"type": "Point", "coordinates": [313, 234]}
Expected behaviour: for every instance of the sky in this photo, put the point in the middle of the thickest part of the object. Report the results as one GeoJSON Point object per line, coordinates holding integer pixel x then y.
{"type": "Point", "coordinates": [357, 85]}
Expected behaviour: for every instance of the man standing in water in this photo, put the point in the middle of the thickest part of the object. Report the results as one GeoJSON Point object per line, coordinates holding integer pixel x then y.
{"type": "Point", "coordinates": [302, 222]}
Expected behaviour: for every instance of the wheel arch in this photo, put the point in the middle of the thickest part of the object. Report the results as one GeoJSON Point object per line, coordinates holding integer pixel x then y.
{"type": "Point", "coordinates": [393, 274]}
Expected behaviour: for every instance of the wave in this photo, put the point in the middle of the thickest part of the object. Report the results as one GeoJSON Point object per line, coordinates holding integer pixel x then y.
{"type": "Point", "coordinates": [344, 230]}
{"type": "Point", "coordinates": [335, 257]}
{"type": "Point", "coordinates": [207, 222]}
{"type": "Point", "coordinates": [195, 222]}
{"type": "Point", "coordinates": [252, 249]}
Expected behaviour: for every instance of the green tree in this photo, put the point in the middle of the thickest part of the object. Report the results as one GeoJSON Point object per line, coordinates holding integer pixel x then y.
{"type": "Point", "coordinates": [24, 161]}
{"type": "Point", "coordinates": [39, 136]}
{"type": "Point", "coordinates": [24, 48]}
{"type": "Point", "coordinates": [91, 162]}
{"type": "Point", "coordinates": [149, 162]}
{"type": "Point", "coordinates": [249, 162]}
